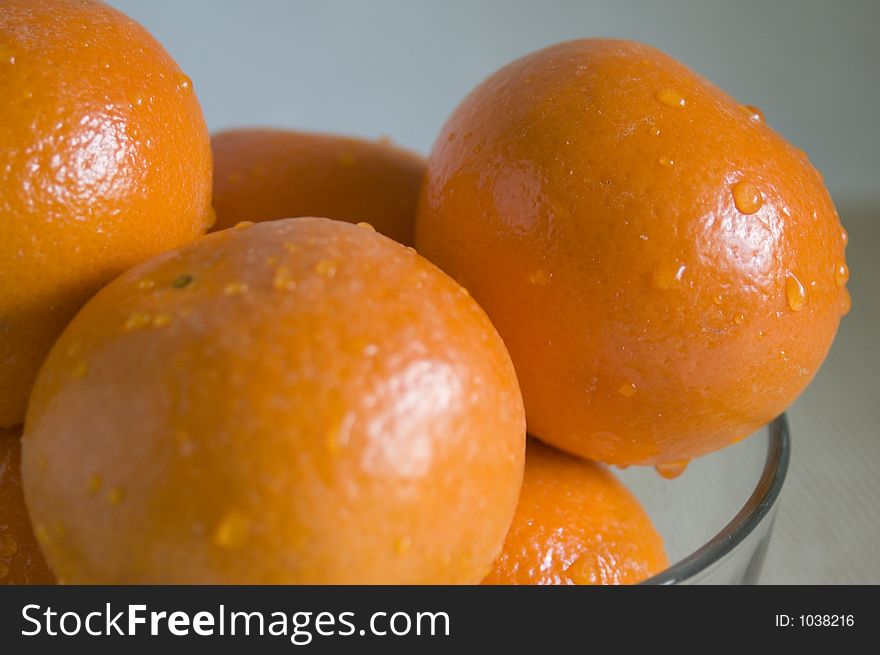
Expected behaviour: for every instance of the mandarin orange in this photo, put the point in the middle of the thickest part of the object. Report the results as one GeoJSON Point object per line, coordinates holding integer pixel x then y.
{"type": "Point", "coordinates": [105, 160]}
{"type": "Point", "coordinates": [667, 272]}
{"type": "Point", "coordinates": [298, 401]}
{"type": "Point", "coordinates": [576, 524]}
{"type": "Point", "coordinates": [269, 174]}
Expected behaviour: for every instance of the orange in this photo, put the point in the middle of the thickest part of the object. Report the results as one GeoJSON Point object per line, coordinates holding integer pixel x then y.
{"type": "Point", "coordinates": [576, 524]}
{"type": "Point", "coordinates": [105, 160]}
{"type": "Point", "coordinates": [300, 401]}
{"type": "Point", "coordinates": [667, 271]}
{"type": "Point", "coordinates": [262, 175]}
{"type": "Point", "coordinates": [21, 561]}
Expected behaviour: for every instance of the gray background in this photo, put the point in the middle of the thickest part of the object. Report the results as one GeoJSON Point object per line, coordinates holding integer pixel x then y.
{"type": "Point", "coordinates": [398, 67]}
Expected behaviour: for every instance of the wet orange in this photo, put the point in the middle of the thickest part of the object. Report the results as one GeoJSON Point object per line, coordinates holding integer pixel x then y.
{"type": "Point", "coordinates": [576, 524]}
{"type": "Point", "coordinates": [21, 561]}
{"type": "Point", "coordinates": [264, 175]}
{"type": "Point", "coordinates": [665, 269]}
{"type": "Point", "coordinates": [298, 401]}
{"type": "Point", "coordinates": [105, 160]}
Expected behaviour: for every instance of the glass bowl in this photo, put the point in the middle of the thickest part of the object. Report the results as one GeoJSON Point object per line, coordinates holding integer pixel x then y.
{"type": "Point", "coordinates": [717, 516]}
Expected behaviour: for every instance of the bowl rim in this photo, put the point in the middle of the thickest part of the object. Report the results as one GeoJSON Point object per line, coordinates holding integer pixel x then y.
{"type": "Point", "coordinates": [752, 513]}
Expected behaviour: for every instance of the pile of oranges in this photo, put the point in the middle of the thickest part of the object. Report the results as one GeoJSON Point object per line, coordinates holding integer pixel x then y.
{"type": "Point", "coordinates": [335, 385]}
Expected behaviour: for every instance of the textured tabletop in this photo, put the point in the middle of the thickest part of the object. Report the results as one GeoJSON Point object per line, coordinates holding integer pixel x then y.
{"type": "Point", "coordinates": [828, 527]}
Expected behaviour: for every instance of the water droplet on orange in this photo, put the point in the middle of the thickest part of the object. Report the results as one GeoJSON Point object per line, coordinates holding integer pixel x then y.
{"type": "Point", "coordinates": [339, 433]}
{"type": "Point", "coordinates": [138, 321]}
{"type": "Point", "coordinates": [739, 318]}
{"type": "Point", "coordinates": [627, 389]}
{"type": "Point", "coordinates": [671, 98]}
{"type": "Point", "coordinates": [7, 55]}
{"type": "Point", "coordinates": [844, 237]}
{"type": "Point", "coordinates": [42, 534]}
{"type": "Point", "coordinates": [540, 277]}
{"type": "Point", "coordinates": [654, 130]}
{"type": "Point", "coordinates": [184, 83]}
{"type": "Point", "coordinates": [80, 370]}
{"type": "Point", "coordinates": [326, 268]}
{"type": "Point", "coordinates": [845, 303]}
{"type": "Point", "coordinates": [795, 292]}
{"type": "Point", "coordinates": [243, 225]}
{"type": "Point", "coordinates": [283, 279]}
{"type": "Point", "coordinates": [161, 320]}
{"type": "Point", "coordinates": [582, 571]}
{"type": "Point", "coordinates": [367, 226]}
{"type": "Point", "coordinates": [665, 161]}
{"type": "Point", "coordinates": [753, 112]}
{"type": "Point", "coordinates": [402, 545]}
{"type": "Point", "coordinates": [671, 470]}
{"type": "Point", "coordinates": [235, 288]}
{"type": "Point", "coordinates": [116, 495]}
{"type": "Point", "coordinates": [667, 275]}
{"type": "Point", "coordinates": [746, 197]}
{"type": "Point", "coordinates": [841, 274]}
{"type": "Point", "coordinates": [232, 531]}
{"type": "Point", "coordinates": [93, 484]}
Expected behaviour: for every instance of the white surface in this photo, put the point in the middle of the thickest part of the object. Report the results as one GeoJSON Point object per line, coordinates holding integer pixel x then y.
{"type": "Point", "coordinates": [398, 67]}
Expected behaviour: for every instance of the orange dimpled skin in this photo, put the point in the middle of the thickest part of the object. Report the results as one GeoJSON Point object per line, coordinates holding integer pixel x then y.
{"type": "Point", "coordinates": [667, 272]}
{"type": "Point", "coordinates": [265, 175]}
{"type": "Point", "coordinates": [21, 561]}
{"type": "Point", "coordinates": [298, 401]}
{"type": "Point", "coordinates": [105, 161]}
{"type": "Point", "coordinates": [576, 524]}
